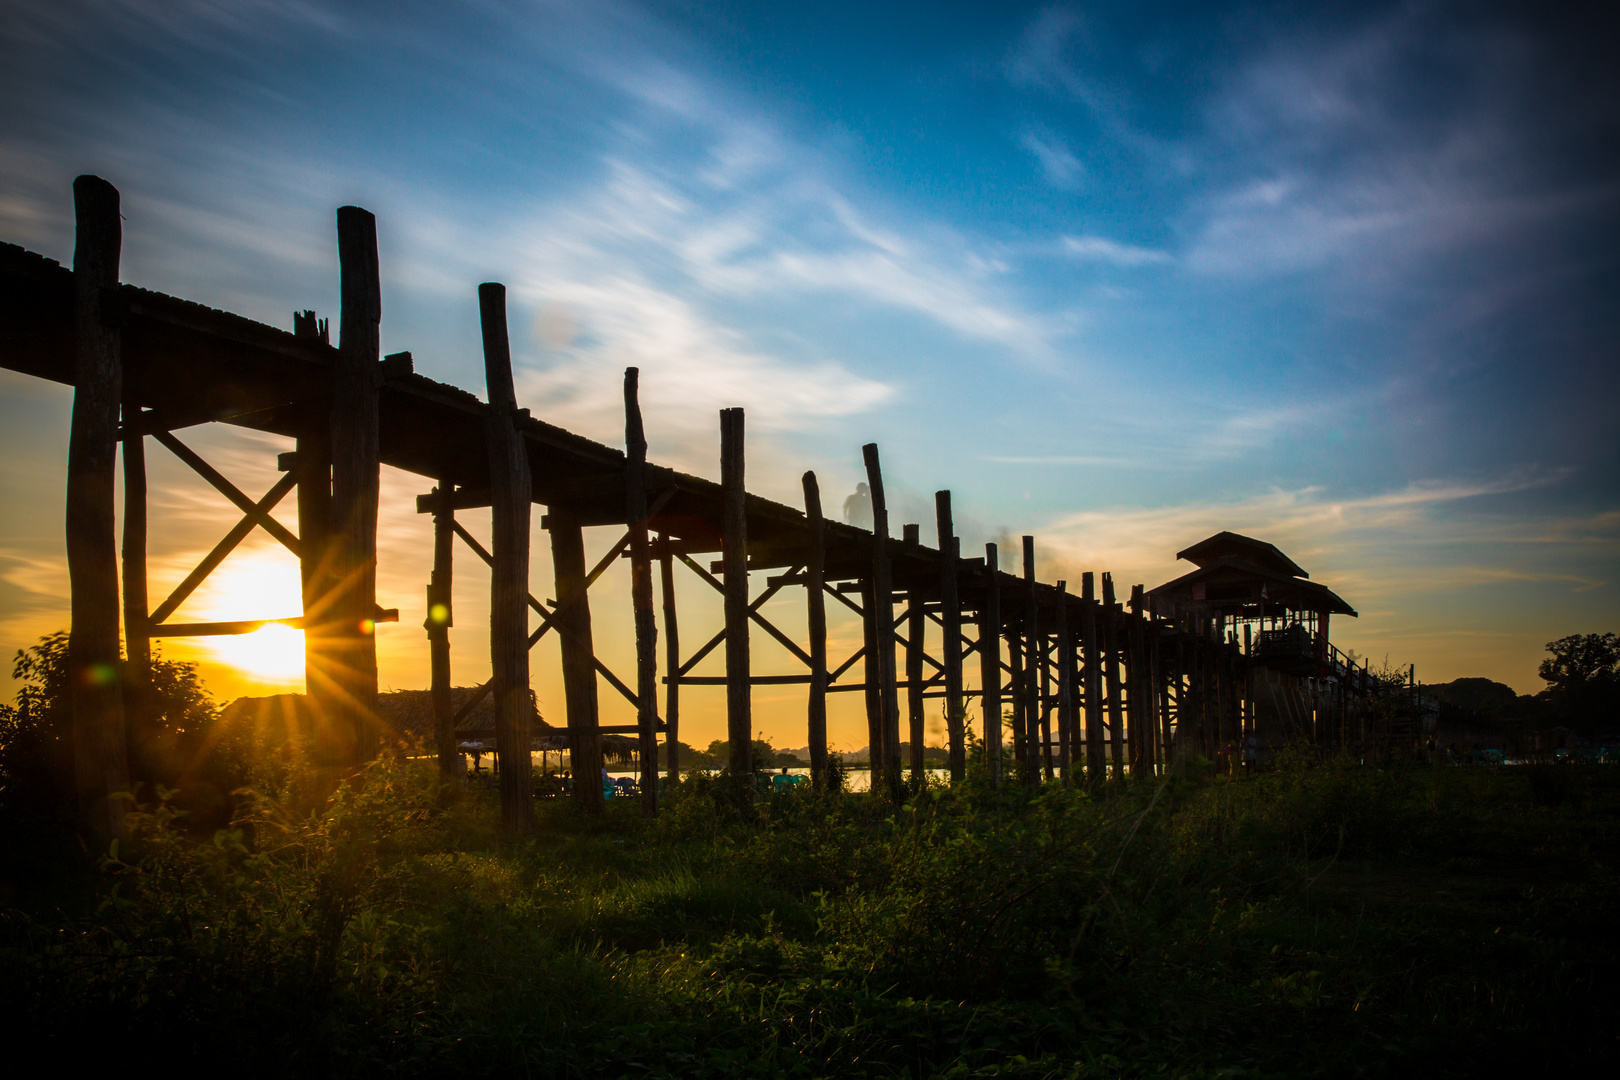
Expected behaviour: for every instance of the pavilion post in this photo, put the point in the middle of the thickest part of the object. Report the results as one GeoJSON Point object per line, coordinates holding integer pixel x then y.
{"type": "Point", "coordinates": [950, 614]}
{"type": "Point", "coordinates": [641, 593]}
{"type": "Point", "coordinates": [990, 664]}
{"type": "Point", "coordinates": [510, 493]}
{"type": "Point", "coordinates": [816, 601]}
{"type": "Point", "coordinates": [573, 622]}
{"type": "Point", "coordinates": [440, 618]}
{"type": "Point", "coordinates": [739, 700]}
{"type": "Point", "coordinates": [100, 736]}
{"type": "Point", "coordinates": [1033, 663]}
{"type": "Point", "coordinates": [356, 467]}
{"type": "Point", "coordinates": [672, 661]}
{"type": "Point", "coordinates": [883, 607]}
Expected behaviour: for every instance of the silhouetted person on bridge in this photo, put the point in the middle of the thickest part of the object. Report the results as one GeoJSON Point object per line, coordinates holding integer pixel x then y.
{"type": "Point", "coordinates": [858, 507]}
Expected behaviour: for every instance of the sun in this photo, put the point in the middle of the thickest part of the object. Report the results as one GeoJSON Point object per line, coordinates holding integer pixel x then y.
{"type": "Point", "coordinates": [258, 584]}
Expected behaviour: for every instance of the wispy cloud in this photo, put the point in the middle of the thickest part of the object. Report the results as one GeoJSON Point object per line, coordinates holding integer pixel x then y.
{"type": "Point", "coordinates": [1062, 169]}
{"type": "Point", "coordinates": [1101, 249]}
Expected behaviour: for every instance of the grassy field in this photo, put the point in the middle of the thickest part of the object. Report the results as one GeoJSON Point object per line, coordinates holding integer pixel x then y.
{"type": "Point", "coordinates": [1326, 920]}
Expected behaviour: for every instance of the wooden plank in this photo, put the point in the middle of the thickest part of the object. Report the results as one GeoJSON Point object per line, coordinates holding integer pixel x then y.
{"type": "Point", "coordinates": [578, 658]}
{"type": "Point", "coordinates": [950, 610]}
{"type": "Point", "coordinates": [990, 664]}
{"type": "Point", "coordinates": [816, 601]}
{"type": "Point", "coordinates": [356, 459]}
{"type": "Point", "coordinates": [883, 608]}
{"type": "Point", "coordinates": [510, 491]}
{"type": "Point", "coordinates": [734, 532]}
{"type": "Point", "coordinates": [101, 766]}
{"type": "Point", "coordinates": [641, 600]}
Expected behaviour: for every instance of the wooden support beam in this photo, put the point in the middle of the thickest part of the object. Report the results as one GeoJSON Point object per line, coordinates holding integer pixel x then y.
{"type": "Point", "coordinates": [990, 665]}
{"type": "Point", "coordinates": [100, 754]}
{"type": "Point", "coordinates": [1065, 662]}
{"type": "Point", "coordinates": [578, 656]}
{"type": "Point", "coordinates": [137, 645]}
{"type": "Point", "coordinates": [1091, 678]}
{"type": "Point", "coordinates": [230, 491]}
{"type": "Point", "coordinates": [510, 490]}
{"type": "Point", "coordinates": [356, 471]}
{"type": "Point", "coordinates": [914, 665]}
{"type": "Point", "coordinates": [734, 532]}
{"type": "Point", "coordinates": [672, 661]}
{"type": "Point", "coordinates": [226, 545]}
{"type": "Point", "coordinates": [1032, 662]}
{"type": "Point", "coordinates": [641, 600]}
{"type": "Point", "coordinates": [1111, 651]}
{"type": "Point", "coordinates": [816, 601]}
{"type": "Point", "coordinates": [950, 610]}
{"type": "Point", "coordinates": [883, 606]}
{"type": "Point", "coordinates": [440, 618]}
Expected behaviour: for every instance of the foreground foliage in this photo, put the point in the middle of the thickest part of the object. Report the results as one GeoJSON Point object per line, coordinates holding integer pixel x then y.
{"type": "Point", "coordinates": [1337, 921]}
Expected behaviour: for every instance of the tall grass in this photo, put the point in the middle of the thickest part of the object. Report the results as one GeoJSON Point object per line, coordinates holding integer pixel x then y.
{"type": "Point", "coordinates": [1332, 920]}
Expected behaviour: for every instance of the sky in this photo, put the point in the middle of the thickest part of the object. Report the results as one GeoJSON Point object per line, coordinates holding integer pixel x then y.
{"type": "Point", "coordinates": [1341, 277]}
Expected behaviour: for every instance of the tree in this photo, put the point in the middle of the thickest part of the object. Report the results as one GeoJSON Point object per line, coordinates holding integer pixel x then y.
{"type": "Point", "coordinates": [1583, 681]}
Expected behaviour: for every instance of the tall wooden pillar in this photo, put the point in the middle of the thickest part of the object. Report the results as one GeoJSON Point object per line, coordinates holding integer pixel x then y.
{"type": "Point", "coordinates": [816, 602]}
{"type": "Point", "coordinates": [1046, 656]}
{"type": "Point", "coordinates": [1116, 717]}
{"type": "Point", "coordinates": [872, 692]}
{"type": "Point", "coordinates": [1018, 685]}
{"type": "Point", "coordinates": [739, 699]}
{"type": "Point", "coordinates": [950, 616]}
{"type": "Point", "coordinates": [1092, 677]}
{"type": "Point", "coordinates": [1138, 725]}
{"type": "Point", "coordinates": [915, 621]}
{"type": "Point", "coordinates": [573, 622]}
{"type": "Point", "coordinates": [990, 664]}
{"type": "Point", "coordinates": [323, 625]}
{"type": "Point", "coordinates": [510, 493]}
{"type": "Point", "coordinates": [440, 618]}
{"type": "Point", "coordinates": [672, 660]}
{"type": "Point", "coordinates": [641, 593]}
{"type": "Point", "coordinates": [1033, 663]}
{"type": "Point", "coordinates": [100, 738]}
{"type": "Point", "coordinates": [1065, 661]}
{"type": "Point", "coordinates": [883, 607]}
{"type": "Point", "coordinates": [356, 467]}
{"type": "Point", "coordinates": [137, 642]}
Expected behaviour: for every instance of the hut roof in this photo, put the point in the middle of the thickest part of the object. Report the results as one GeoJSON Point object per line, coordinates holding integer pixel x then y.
{"type": "Point", "coordinates": [1243, 549]}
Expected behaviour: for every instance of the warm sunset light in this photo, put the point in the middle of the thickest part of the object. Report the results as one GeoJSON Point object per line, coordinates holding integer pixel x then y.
{"type": "Point", "coordinates": [255, 585]}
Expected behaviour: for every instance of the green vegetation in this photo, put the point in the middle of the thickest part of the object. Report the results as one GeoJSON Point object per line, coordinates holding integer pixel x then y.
{"type": "Point", "coordinates": [1322, 919]}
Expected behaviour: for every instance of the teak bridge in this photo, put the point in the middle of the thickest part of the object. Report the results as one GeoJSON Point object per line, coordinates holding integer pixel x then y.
{"type": "Point", "coordinates": [1092, 686]}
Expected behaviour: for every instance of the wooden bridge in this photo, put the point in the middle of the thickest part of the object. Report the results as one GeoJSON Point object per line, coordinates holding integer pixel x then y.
{"type": "Point", "coordinates": [1092, 685]}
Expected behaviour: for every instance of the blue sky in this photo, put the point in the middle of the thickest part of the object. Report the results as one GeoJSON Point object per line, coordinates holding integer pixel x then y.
{"type": "Point", "coordinates": [1342, 277]}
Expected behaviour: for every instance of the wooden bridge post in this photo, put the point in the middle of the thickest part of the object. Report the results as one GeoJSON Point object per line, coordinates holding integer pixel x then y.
{"type": "Point", "coordinates": [573, 622]}
{"type": "Point", "coordinates": [440, 618]}
{"type": "Point", "coordinates": [739, 700]}
{"type": "Point", "coordinates": [990, 665]}
{"type": "Point", "coordinates": [641, 600]}
{"type": "Point", "coordinates": [883, 606]}
{"type": "Point", "coordinates": [137, 609]}
{"type": "Point", "coordinates": [1017, 686]}
{"type": "Point", "coordinates": [356, 466]}
{"type": "Point", "coordinates": [1116, 717]}
{"type": "Point", "coordinates": [872, 692]}
{"type": "Point", "coordinates": [1138, 726]}
{"type": "Point", "coordinates": [1065, 661]}
{"type": "Point", "coordinates": [916, 619]}
{"type": "Point", "coordinates": [1034, 662]}
{"type": "Point", "coordinates": [510, 494]}
{"type": "Point", "coordinates": [672, 661]}
{"type": "Point", "coordinates": [323, 624]}
{"type": "Point", "coordinates": [100, 736]}
{"type": "Point", "coordinates": [950, 615]}
{"type": "Point", "coordinates": [1096, 769]}
{"type": "Point", "coordinates": [816, 600]}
